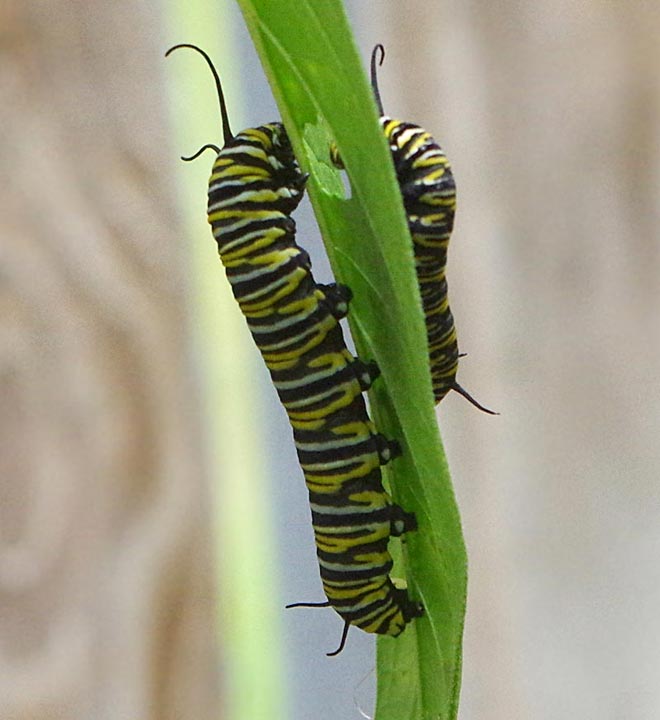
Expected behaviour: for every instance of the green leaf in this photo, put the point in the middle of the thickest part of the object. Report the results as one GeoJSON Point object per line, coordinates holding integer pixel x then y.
{"type": "Point", "coordinates": [323, 93]}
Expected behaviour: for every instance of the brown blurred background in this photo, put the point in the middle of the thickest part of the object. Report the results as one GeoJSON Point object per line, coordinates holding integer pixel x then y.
{"type": "Point", "coordinates": [550, 113]}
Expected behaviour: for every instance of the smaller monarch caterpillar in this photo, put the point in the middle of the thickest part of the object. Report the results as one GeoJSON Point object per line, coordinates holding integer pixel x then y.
{"type": "Point", "coordinates": [254, 187]}
{"type": "Point", "coordinates": [428, 191]}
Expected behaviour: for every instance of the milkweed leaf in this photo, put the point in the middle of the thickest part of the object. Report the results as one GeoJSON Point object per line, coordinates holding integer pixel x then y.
{"type": "Point", "coordinates": [323, 94]}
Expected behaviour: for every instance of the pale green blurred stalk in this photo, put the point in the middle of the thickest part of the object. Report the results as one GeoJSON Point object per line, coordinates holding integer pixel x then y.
{"type": "Point", "coordinates": [248, 614]}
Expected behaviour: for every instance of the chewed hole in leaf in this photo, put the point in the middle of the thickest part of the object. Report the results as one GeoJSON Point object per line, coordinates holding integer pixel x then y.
{"type": "Point", "coordinates": [348, 192]}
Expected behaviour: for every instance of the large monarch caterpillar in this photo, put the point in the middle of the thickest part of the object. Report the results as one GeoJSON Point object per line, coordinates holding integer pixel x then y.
{"type": "Point", "coordinates": [428, 191]}
{"type": "Point", "coordinates": [255, 185]}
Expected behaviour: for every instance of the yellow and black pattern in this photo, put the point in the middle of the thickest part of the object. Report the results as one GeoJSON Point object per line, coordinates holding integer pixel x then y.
{"type": "Point", "coordinates": [428, 191]}
{"type": "Point", "coordinates": [254, 187]}
{"type": "Point", "coordinates": [429, 197]}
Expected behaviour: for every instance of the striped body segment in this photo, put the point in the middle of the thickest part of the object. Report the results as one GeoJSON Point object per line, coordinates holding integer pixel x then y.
{"type": "Point", "coordinates": [254, 187]}
{"type": "Point", "coordinates": [429, 198]}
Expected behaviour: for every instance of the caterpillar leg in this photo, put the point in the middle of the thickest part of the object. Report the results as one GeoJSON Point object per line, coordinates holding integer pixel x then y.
{"type": "Point", "coordinates": [387, 449]}
{"type": "Point", "coordinates": [337, 297]}
{"type": "Point", "coordinates": [366, 373]}
{"type": "Point", "coordinates": [409, 608]}
{"type": "Point", "coordinates": [299, 182]}
{"type": "Point", "coordinates": [401, 521]}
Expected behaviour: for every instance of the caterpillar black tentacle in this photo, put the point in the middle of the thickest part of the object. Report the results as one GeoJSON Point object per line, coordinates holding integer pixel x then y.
{"type": "Point", "coordinates": [342, 642]}
{"type": "Point", "coordinates": [308, 604]}
{"type": "Point", "coordinates": [462, 391]}
{"type": "Point", "coordinates": [204, 148]}
{"type": "Point", "coordinates": [254, 187]}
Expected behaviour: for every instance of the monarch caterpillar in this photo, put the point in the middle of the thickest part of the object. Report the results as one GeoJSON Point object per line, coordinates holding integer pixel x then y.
{"type": "Point", "coordinates": [254, 187]}
{"type": "Point", "coordinates": [428, 191]}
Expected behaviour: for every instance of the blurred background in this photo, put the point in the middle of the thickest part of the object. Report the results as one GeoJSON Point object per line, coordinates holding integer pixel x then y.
{"type": "Point", "coordinates": [143, 569]}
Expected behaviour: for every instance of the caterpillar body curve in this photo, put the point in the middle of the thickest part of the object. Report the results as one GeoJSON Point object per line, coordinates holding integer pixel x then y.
{"type": "Point", "coordinates": [428, 191]}
{"type": "Point", "coordinates": [255, 185]}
